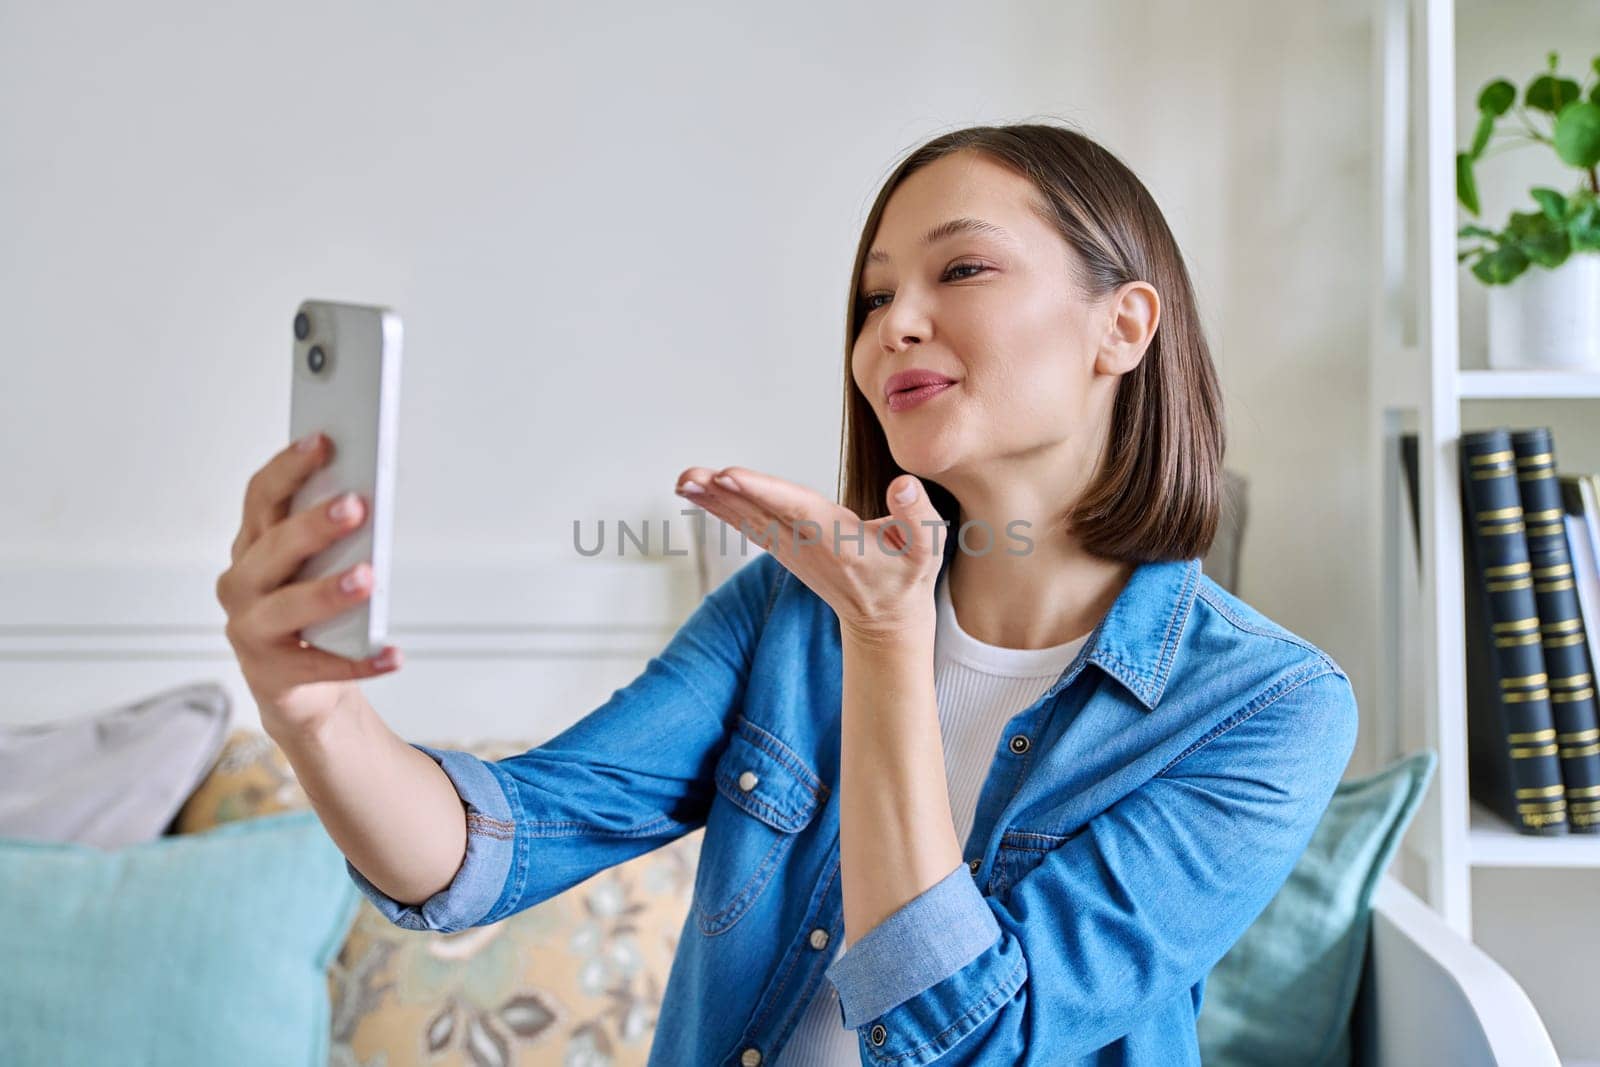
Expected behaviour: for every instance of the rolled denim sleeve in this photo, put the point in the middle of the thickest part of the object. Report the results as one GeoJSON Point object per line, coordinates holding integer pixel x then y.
{"type": "Point", "coordinates": [923, 942]}
{"type": "Point", "coordinates": [628, 777]}
{"type": "Point", "coordinates": [481, 880]}
{"type": "Point", "coordinates": [1118, 920]}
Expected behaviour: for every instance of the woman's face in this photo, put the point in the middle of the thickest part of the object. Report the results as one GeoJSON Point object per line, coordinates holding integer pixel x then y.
{"type": "Point", "coordinates": [999, 313]}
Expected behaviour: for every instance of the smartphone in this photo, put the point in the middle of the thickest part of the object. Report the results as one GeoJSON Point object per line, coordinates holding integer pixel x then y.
{"type": "Point", "coordinates": [346, 383]}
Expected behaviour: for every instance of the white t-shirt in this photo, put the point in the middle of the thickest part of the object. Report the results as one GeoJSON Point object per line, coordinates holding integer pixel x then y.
{"type": "Point", "coordinates": [978, 688]}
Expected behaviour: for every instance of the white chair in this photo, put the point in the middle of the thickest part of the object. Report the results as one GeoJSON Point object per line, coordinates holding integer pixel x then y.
{"type": "Point", "coordinates": [1428, 995]}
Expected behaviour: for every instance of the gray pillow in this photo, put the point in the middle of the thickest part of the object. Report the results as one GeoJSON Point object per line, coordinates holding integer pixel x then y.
{"type": "Point", "coordinates": [1221, 561]}
{"type": "Point", "coordinates": [114, 777]}
{"type": "Point", "coordinates": [1285, 991]}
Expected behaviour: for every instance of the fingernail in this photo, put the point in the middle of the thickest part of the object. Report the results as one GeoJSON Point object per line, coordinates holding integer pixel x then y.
{"type": "Point", "coordinates": [690, 487]}
{"type": "Point", "coordinates": [307, 443]}
{"type": "Point", "coordinates": [389, 657]}
{"type": "Point", "coordinates": [727, 483]}
{"type": "Point", "coordinates": [343, 508]}
{"type": "Point", "coordinates": [354, 578]}
{"type": "Point", "coordinates": [907, 495]}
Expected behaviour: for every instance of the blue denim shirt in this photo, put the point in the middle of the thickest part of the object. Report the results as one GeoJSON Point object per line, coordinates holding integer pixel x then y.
{"type": "Point", "coordinates": [1136, 819]}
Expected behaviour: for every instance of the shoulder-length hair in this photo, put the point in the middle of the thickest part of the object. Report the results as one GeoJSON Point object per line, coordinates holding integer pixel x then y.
{"type": "Point", "coordinates": [1158, 492]}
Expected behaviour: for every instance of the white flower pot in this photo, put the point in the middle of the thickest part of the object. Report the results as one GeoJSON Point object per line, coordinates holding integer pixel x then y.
{"type": "Point", "coordinates": [1548, 319]}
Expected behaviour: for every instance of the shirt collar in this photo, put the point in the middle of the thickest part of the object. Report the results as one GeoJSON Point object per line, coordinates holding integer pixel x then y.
{"type": "Point", "coordinates": [1136, 639]}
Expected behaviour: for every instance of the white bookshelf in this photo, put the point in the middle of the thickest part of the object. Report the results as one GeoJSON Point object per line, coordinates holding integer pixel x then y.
{"type": "Point", "coordinates": [1527, 385]}
{"type": "Point", "coordinates": [1493, 843]}
{"type": "Point", "coordinates": [1418, 385]}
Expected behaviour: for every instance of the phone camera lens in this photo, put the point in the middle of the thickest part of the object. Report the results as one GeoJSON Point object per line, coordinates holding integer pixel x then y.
{"type": "Point", "coordinates": [302, 326]}
{"type": "Point", "coordinates": [316, 358]}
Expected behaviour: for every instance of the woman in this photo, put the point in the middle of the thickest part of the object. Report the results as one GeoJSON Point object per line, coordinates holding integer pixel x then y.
{"type": "Point", "coordinates": [1012, 857]}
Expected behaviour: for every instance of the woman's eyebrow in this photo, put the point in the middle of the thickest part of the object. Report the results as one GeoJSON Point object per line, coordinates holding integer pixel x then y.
{"type": "Point", "coordinates": [949, 229]}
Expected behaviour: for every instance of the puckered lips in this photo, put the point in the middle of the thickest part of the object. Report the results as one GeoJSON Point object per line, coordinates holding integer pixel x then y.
{"type": "Point", "coordinates": [908, 388]}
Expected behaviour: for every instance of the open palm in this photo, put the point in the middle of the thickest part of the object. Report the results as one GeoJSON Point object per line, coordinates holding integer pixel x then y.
{"type": "Point", "coordinates": [877, 575]}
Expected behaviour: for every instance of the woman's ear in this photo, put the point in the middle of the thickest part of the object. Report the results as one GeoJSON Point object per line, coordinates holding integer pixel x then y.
{"type": "Point", "coordinates": [1134, 312]}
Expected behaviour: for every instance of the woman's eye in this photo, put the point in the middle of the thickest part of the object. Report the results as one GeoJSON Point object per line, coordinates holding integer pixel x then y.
{"type": "Point", "coordinates": [867, 301]}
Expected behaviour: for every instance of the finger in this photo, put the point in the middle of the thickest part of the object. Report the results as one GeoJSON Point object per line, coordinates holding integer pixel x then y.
{"type": "Point", "coordinates": [696, 486]}
{"type": "Point", "coordinates": [295, 661]}
{"type": "Point", "coordinates": [307, 663]}
{"type": "Point", "coordinates": [803, 515]}
{"type": "Point", "coordinates": [284, 612]}
{"type": "Point", "coordinates": [744, 517]}
{"type": "Point", "coordinates": [780, 536]}
{"type": "Point", "coordinates": [268, 493]}
{"type": "Point", "coordinates": [743, 514]}
{"type": "Point", "coordinates": [278, 554]}
{"type": "Point", "coordinates": [696, 477]}
{"type": "Point", "coordinates": [916, 530]}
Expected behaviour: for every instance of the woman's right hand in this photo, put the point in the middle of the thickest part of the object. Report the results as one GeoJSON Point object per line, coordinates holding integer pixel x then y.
{"type": "Point", "coordinates": [296, 686]}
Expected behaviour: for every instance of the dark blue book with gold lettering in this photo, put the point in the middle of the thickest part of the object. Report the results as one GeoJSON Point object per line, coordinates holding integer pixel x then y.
{"type": "Point", "coordinates": [1561, 626]}
{"type": "Point", "coordinates": [1513, 765]}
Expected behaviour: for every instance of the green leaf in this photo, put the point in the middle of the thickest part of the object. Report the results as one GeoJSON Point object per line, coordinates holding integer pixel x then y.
{"type": "Point", "coordinates": [1548, 249]}
{"type": "Point", "coordinates": [1497, 98]}
{"type": "Point", "coordinates": [1500, 266]}
{"type": "Point", "coordinates": [1480, 136]}
{"type": "Point", "coordinates": [1594, 94]}
{"type": "Point", "coordinates": [1583, 228]}
{"type": "Point", "coordinates": [1466, 187]}
{"type": "Point", "coordinates": [1551, 59]}
{"type": "Point", "coordinates": [1584, 238]}
{"type": "Point", "coordinates": [1549, 93]}
{"type": "Point", "coordinates": [1525, 224]}
{"type": "Point", "coordinates": [1477, 231]}
{"type": "Point", "coordinates": [1577, 134]}
{"type": "Point", "coordinates": [1552, 203]}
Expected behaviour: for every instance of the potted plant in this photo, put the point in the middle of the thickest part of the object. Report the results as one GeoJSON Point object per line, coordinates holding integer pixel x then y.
{"type": "Point", "coordinates": [1542, 268]}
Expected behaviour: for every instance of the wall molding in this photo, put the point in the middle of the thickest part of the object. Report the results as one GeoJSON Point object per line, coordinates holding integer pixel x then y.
{"type": "Point", "coordinates": [502, 650]}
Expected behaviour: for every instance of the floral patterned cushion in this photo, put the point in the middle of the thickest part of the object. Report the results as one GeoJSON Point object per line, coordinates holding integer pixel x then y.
{"type": "Point", "coordinates": [576, 980]}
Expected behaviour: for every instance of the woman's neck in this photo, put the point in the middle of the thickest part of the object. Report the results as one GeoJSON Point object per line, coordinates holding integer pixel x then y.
{"type": "Point", "coordinates": [1052, 594]}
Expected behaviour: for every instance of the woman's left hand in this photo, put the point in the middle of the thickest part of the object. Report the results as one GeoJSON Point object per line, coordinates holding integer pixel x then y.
{"type": "Point", "coordinates": [878, 576]}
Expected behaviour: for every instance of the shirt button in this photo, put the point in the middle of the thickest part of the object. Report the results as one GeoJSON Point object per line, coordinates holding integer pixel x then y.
{"type": "Point", "coordinates": [750, 1057]}
{"type": "Point", "coordinates": [878, 1034]}
{"type": "Point", "coordinates": [747, 782]}
{"type": "Point", "coordinates": [819, 938]}
{"type": "Point", "coordinates": [1019, 744]}
{"type": "Point", "coordinates": [973, 865]}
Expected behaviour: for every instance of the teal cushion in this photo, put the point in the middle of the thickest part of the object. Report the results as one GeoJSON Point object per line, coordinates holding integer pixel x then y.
{"type": "Point", "coordinates": [205, 948]}
{"type": "Point", "coordinates": [1284, 992]}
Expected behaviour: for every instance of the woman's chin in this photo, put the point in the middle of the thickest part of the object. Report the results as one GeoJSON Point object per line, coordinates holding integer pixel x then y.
{"type": "Point", "coordinates": [924, 458]}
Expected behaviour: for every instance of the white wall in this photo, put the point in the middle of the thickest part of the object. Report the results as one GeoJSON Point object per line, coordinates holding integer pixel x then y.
{"type": "Point", "coordinates": [620, 237]}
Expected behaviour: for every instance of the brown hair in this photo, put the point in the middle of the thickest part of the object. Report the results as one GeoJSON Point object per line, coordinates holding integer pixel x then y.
{"type": "Point", "coordinates": [1158, 492]}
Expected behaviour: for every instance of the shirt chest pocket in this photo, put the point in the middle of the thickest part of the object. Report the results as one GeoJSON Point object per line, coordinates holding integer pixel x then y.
{"type": "Point", "coordinates": [766, 794]}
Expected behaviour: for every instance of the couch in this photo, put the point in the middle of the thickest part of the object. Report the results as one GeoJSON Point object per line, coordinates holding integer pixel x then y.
{"type": "Point", "coordinates": [578, 979]}
{"type": "Point", "coordinates": [574, 980]}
